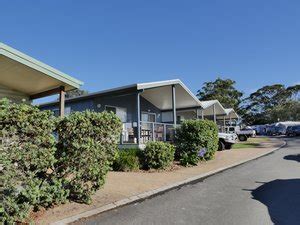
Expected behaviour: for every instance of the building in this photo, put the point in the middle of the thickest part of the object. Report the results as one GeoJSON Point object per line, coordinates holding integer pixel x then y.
{"type": "Point", "coordinates": [23, 78]}
{"type": "Point", "coordinates": [147, 110]}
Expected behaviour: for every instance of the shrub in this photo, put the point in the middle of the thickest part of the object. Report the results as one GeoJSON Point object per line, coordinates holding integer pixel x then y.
{"type": "Point", "coordinates": [127, 160]}
{"type": "Point", "coordinates": [87, 145]}
{"type": "Point", "coordinates": [196, 140]}
{"type": "Point", "coordinates": [27, 155]}
{"type": "Point", "coordinates": [157, 155]}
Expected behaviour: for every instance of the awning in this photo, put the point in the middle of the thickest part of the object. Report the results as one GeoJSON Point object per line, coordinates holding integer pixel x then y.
{"type": "Point", "coordinates": [231, 114]}
{"type": "Point", "coordinates": [160, 94]}
{"type": "Point", "coordinates": [209, 108]}
{"type": "Point", "coordinates": [23, 75]}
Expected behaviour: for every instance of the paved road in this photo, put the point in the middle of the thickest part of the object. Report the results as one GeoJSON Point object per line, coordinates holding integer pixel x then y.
{"type": "Point", "coordinates": [264, 191]}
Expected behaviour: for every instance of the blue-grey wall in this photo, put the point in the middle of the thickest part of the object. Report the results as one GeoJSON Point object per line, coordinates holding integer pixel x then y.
{"type": "Point", "coordinates": [98, 104]}
{"type": "Point", "coordinates": [147, 106]}
{"type": "Point", "coordinates": [127, 101]}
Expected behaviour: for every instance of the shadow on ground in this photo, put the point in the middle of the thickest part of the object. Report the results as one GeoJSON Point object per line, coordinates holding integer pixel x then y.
{"type": "Point", "coordinates": [294, 158]}
{"type": "Point", "coordinates": [282, 197]}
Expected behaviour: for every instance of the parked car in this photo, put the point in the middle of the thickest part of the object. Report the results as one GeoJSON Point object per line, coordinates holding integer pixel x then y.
{"type": "Point", "coordinates": [245, 133]}
{"type": "Point", "coordinates": [288, 131]}
{"type": "Point", "coordinates": [242, 134]}
{"type": "Point", "coordinates": [275, 130]}
{"type": "Point", "coordinates": [293, 131]}
{"type": "Point", "coordinates": [226, 140]}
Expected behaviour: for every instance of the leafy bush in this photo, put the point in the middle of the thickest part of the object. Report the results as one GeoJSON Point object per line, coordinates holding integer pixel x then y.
{"type": "Point", "coordinates": [196, 140]}
{"type": "Point", "coordinates": [127, 160]}
{"type": "Point", "coordinates": [87, 145]}
{"type": "Point", "coordinates": [27, 161]}
{"type": "Point", "coordinates": [38, 170]}
{"type": "Point", "coordinates": [157, 155]}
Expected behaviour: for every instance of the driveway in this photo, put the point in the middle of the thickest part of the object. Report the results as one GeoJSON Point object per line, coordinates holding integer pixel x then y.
{"type": "Point", "coordinates": [264, 191]}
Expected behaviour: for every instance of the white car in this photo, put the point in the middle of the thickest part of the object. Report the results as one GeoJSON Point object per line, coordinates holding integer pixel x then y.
{"type": "Point", "coordinates": [226, 140]}
{"type": "Point", "coordinates": [243, 134]}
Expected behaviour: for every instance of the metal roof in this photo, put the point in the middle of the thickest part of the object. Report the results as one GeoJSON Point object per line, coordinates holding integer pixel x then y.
{"type": "Point", "coordinates": [22, 73]}
{"type": "Point", "coordinates": [207, 105]}
{"type": "Point", "coordinates": [231, 113]}
{"type": "Point", "coordinates": [190, 99]}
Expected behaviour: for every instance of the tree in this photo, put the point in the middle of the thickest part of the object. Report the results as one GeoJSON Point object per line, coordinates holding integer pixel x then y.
{"type": "Point", "coordinates": [75, 93]}
{"type": "Point", "coordinates": [272, 103]}
{"type": "Point", "coordinates": [222, 90]}
{"type": "Point", "coordinates": [294, 92]}
{"type": "Point", "coordinates": [289, 111]}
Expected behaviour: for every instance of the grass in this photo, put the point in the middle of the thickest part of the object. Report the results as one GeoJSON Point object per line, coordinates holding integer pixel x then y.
{"type": "Point", "coordinates": [245, 145]}
{"type": "Point", "coordinates": [250, 143]}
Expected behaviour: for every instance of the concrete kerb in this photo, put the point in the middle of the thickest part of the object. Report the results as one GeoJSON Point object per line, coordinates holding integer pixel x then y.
{"type": "Point", "coordinates": [159, 191]}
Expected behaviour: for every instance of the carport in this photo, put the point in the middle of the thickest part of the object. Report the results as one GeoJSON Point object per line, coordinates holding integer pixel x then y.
{"type": "Point", "coordinates": [23, 78]}
{"type": "Point", "coordinates": [212, 109]}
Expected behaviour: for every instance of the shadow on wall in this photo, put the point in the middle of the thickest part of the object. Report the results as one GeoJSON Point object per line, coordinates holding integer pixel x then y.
{"type": "Point", "coordinates": [294, 158]}
{"type": "Point", "coordinates": [282, 197]}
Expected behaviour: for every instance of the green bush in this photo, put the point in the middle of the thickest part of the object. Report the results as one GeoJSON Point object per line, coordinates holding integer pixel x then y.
{"type": "Point", "coordinates": [87, 146]}
{"type": "Point", "coordinates": [39, 170]}
{"type": "Point", "coordinates": [27, 161]}
{"type": "Point", "coordinates": [127, 160]}
{"type": "Point", "coordinates": [196, 140]}
{"type": "Point", "coordinates": [157, 155]}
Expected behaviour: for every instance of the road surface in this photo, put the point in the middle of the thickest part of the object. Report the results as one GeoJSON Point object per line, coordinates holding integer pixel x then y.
{"type": "Point", "coordinates": [264, 191]}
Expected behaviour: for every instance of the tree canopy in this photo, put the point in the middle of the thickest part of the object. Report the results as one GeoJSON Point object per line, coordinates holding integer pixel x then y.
{"type": "Point", "coordinates": [75, 93]}
{"type": "Point", "coordinates": [223, 90]}
{"type": "Point", "coordinates": [272, 103]}
{"type": "Point", "coordinates": [269, 104]}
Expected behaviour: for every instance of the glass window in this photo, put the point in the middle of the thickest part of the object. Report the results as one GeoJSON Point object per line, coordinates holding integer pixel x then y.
{"type": "Point", "coordinates": [111, 109]}
{"type": "Point", "coordinates": [120, 112]}
{"type": "Point", "coordinates": [149, 117]}
{"type": "Point", "coordinates": [67, 111]}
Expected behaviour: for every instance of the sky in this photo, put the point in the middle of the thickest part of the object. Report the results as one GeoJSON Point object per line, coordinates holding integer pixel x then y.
{"type": "Point", "coordinates": [113, 43]}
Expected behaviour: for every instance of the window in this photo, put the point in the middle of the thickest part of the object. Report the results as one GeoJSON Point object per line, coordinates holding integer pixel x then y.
{"type": "Point", "coordinates": [148, 117]}
{"type": "Point", "coordinates": [167, 117]}
{"type": "Point", "coordinates": [111, 109]}
{"type": "Point", "coordinates": [119, 111]}
{"type": "Point", "coordinates": [67, 111]}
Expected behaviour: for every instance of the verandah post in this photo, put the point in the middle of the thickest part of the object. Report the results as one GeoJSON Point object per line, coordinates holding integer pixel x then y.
{"type": "Point", "coordinates": [174, 107]}
{"type": "Point", "coordinates": [62, 101]}
{"type": "Point", "coordinates": [138, 118]}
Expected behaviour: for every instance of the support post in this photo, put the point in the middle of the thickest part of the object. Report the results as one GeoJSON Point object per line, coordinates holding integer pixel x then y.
{"type": "Point", "coordinates": [202, 114]}
{"type": "Point", "coordinates": [174, 105]}
{"type": "Point", "coordinates": [165, 132]}
{"type": "Point", "coordinates": [153, 136]}
{"type": "Point", "coordinates": [138, 118]}
{"type": "Point", "coordinates": [62, 101]}
{"type": "Point", "coordinates": [214, 112]}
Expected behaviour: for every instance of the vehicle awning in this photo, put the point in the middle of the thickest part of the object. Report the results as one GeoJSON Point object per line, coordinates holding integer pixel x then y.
{"type": "Point", "coordinates": [23, 75]}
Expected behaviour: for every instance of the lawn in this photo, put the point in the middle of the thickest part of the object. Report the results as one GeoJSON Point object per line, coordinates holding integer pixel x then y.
{"type": "Point", "coordinates": [250, 143]}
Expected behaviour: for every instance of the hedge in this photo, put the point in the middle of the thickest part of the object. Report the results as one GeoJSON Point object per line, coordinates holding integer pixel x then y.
{"type": "Point", "coordinates": [87, 146]}
{"type": "Point", "coordinates": [157, 155]}
{"type": "Point", "coordinates": [46, 160]}
{"type": "Point", "coordinates": [196, 140]}
{"type": "Point", "coordinates": [27, 157]}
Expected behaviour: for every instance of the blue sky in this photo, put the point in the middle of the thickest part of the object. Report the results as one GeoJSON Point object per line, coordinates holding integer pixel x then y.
{"type": "Point", "coordinates": [113, 43]}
